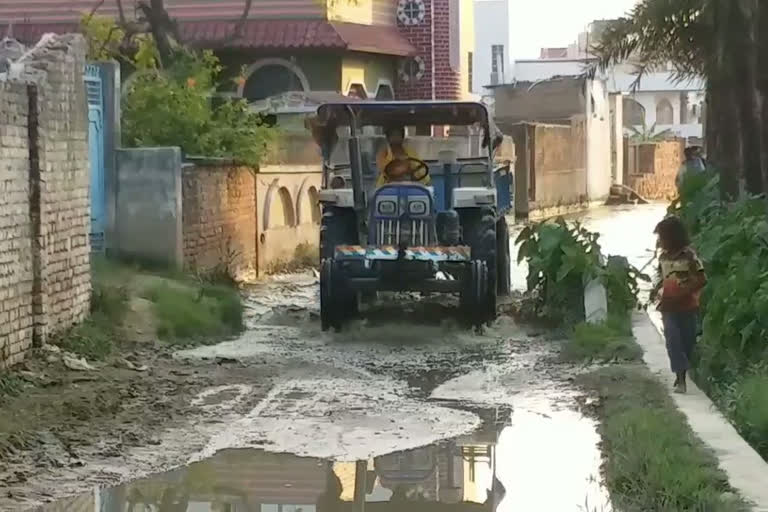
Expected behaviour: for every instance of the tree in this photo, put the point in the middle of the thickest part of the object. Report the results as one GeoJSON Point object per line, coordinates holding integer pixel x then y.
{"type": "Point", "coordinates": [717, 40]}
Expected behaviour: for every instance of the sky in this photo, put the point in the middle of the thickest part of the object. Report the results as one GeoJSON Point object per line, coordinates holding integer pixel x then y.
{"type": "Point", "coordinates": [555, 23]}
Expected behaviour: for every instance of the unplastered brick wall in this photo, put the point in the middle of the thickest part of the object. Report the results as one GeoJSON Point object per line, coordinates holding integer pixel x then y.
{"type": "Point", "coordinates": [44, 206]}
{"type": "Point", "coordinates": [421, 37]}
{"type": "Point", "coordinates": [219, 218]}
{"type": "Point", "coordinates": [658, 165]}
{"type": "Point", "coordinates": [16, 276]}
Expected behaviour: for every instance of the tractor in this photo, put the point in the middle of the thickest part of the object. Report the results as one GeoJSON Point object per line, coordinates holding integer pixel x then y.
{"type": "Point", "coordinates": [444, 234]}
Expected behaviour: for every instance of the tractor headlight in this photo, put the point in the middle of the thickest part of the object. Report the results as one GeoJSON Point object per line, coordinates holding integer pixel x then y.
{"type": "Point", "coordinates": [387, 207]}
{"type": "Point", "coordinates": [417, 208]}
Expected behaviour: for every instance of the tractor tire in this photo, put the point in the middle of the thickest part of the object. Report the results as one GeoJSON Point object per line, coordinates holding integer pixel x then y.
{"type": "Point", "coordinates": [474, 294]}
{"type": "Point", "coordinates": [338, 227]}
{"type": "Point", "coordinates": [479, 227]}
{"type": "Point", "coordinates": [329, 313]}
{"type": "Point", "coordinates": [504, 272]}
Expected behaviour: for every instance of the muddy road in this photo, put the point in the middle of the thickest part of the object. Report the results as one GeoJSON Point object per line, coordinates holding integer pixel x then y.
{"type": "Point", "coordinates": [404, 405]}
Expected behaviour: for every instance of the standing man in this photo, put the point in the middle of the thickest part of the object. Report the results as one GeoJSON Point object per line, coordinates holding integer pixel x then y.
{"type": "Point", "coordinates": [694, 164]}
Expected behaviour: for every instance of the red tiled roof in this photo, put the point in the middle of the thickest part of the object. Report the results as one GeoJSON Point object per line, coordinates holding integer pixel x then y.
{"type": "Point", "coordinates": [266, 34]}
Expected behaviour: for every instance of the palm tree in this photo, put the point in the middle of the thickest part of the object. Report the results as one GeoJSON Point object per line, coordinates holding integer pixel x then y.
{"type": "Point", "coordinates": [716, 39]}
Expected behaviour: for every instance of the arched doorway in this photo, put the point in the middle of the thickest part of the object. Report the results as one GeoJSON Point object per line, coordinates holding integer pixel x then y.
{"type": "Point", "coordinates": [634, 113]}
{"type": "Point", "coordinates": [665, 114]}
{"type": "Point", "coordinates": [270, 77]}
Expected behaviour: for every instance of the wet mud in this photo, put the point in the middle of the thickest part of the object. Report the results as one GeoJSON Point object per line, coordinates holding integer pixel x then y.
{"type": "Point", "coordinates": [403, 407]}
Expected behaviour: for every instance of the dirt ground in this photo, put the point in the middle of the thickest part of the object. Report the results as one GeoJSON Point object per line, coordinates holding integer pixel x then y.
{"type": "Point", "coordinates": [69, 420]}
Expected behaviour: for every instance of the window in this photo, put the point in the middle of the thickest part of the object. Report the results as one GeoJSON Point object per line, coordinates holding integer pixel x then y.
{"type": "Point", "coordinates": [411, 12]}
{"type": "Point", "coordinates": [357, 91]}
{"type": "Point", "coordinates": [384, 93]}
{"type": "Point", "coordinates": [470, 65]}
{"type": "Point", "coordinates": [664, 112]}
{"type": "Point", "coordinates": [271, 80]}
{"type": "Point", "coordinates": [634, 113]}
{"type": "Point", "coordinates": [497, 59]}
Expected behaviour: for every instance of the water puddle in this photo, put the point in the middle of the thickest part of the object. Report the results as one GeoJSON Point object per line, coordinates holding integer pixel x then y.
{"type": "Point", "coordinates": [519, 459]}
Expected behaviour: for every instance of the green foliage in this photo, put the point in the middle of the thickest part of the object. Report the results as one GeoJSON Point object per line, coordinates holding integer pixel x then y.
{"type": "Point", "coordinates": [107, 41]}
{"type": "Point", "coordinates": [732, 240]}
{"type": "Point", "coordinates": [562, 259]}
{"type": "Point", "coordinates": [646, 134]}
{"type": "Point", "coordinates": [744, 401]}
{"type": "Point", "coordinates": [611, 341]}
{"type": "Point", "coordinates": [103, 36]}
{"type": "Point", "coordinates": [181, 97]}
{"type": "Point", "coordinates": [189, 314]}
{"type": "Point", "coordinates": [652, 459]}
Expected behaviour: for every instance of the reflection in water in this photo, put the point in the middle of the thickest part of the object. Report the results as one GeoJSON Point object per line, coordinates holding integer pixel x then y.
{"type": "Point", "coordinates": [454, 475]}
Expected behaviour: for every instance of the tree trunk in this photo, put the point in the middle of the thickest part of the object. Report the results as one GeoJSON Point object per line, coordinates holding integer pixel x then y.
{"type": "Point", "coordinates": [744, 77]}
{"type": "Point", "coordinates": [724, 105]}
{"type": "Point", "coordinates": [762, 82]}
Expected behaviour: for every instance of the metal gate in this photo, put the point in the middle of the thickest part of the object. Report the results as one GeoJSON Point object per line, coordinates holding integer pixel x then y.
{"type": "Point", "coordinates": [94, 92]}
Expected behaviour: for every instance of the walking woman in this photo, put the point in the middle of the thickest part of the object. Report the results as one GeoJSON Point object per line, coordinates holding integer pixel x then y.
{"type": "Point", "coordinates": [681, 278]}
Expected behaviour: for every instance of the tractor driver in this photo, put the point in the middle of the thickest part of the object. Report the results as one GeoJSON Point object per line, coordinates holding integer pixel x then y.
{"type": "Point", "coordinates": [397, 163]}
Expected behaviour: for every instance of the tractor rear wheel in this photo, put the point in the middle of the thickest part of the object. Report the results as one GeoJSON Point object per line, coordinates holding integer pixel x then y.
{"type": "Point", "coordinates": [479, 227]}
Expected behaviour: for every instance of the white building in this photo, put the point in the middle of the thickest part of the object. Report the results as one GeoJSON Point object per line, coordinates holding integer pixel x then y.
{"type": "Point", "coordinates": [491, 63]}
{"type": "Point", "coordinates": [657, 100]}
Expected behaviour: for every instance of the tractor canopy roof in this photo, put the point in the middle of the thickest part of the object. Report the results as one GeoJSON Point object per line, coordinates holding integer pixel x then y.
{"type": "Point", "coordinates": [332, 115]}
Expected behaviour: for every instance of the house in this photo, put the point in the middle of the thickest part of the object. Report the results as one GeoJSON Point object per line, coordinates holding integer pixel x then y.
{"type": "Point", "coordinates": [491, 62]}
{"type": "Point", "coordinates": [658, 100]}
{"type": "Point", "coordinates": [370, 49]}
{"type": "Point", "coordinates": [565, 133]}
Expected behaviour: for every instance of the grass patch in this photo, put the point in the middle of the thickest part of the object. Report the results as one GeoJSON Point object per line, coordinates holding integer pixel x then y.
{"type": "Point", "coordinates": [653, 461]}
{"type": "Point", "coordinates": [185, 313]}
{"type": "Point", "coordinates": [745, 402]}
{"type": "Point", "coordinates": [97, 336]}
{"type": "Point", "coordinates": [609, 341]}
{"type": "Point", "coordinates": [10, 385]}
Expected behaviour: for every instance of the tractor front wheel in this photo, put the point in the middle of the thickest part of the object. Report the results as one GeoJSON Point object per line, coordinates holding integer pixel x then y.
{"type": "Point", "coordinates": [474, 294]}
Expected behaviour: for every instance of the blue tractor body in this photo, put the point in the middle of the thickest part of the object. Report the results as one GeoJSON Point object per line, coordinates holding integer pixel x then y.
{"type": "Point", "coordinates": [447, 236]}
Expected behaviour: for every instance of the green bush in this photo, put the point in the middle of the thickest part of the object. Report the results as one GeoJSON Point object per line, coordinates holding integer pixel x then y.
{"type": "Point", "coordinates": [181, 97]}
{"type": "Point", "coordinates": [562, 259]}
{"type": "Point", "coordinates": [732, 241]}
{"type": "Point", "coordinates": [203, 314]}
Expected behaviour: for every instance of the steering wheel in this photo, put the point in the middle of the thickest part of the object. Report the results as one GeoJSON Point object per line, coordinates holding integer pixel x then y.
{"type": "Point", "coordinates": [416, 173]}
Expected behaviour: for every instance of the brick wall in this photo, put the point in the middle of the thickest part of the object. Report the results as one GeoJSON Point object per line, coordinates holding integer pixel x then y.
{"type": "Point", "coordinates": [16, 276]}
{"type": "Point", "coordinates": [447, 79]}
{"type": "Point", "coordinates": [219, 217]}
{"type": "Point", "coordinates": [654, 168]}
{"type": "Point", "coordinates": [420, 36]}
{"type": "Point", "coordinates": [432, 40]}
{"type": "Point", "coordinates": [44, 205]}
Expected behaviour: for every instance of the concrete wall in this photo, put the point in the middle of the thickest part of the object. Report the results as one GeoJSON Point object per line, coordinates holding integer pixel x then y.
{"type": "Point", "coordinates": [653, 168]}
{"type": "Point", "coordinates": [289, 212]}
{"type": "Point", "coordinates": [550, 167]}
{"type": "Point", "coordinates": [598, 141]}
{"type": "Point", "coordinates": [44, 208]}
{"type": "Point", "coordinates": [148, 210]}
{"type": "Point", "coordinates": [219, 218]}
